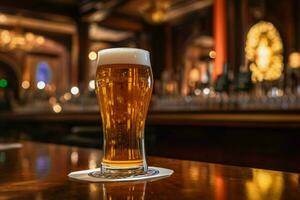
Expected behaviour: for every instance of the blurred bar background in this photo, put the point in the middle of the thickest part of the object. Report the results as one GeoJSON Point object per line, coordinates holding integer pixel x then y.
{"type": "Point", "coordinates": [227, 75]}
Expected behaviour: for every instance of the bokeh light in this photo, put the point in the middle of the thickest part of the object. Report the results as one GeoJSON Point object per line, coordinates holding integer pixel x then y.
{"type": "Point", "coordinates": [29, 36]}
{"type": "Point", "coordinates": [67, 96]}
{"type": "Point", "coordinates": [3, 18]}
{"type": "Point", "coordinates": [212, 54]}
{"type": "Point", "coordinates": [75, 90]}
{"type": "Point", "coordinates": [25, 85]}
{"type": "Point", "coordinates": [92, 85]}
{"type": "Point", "coordinates": [92, 55]}
{"type": "Point", "coordinates": [57, 108]}
{"type": "Point", "coordinates": [294, 60]}
{"type": "Point", "coordinates": [41, 85]}
{"type": "Point", "coordinates": [206, 91]}
{"type": "Point", "coordinates": [40, 40]}
{"type": "Point", "coordinates": [52, 100]}
{"type": "Point", "coordinates": [3, 83]}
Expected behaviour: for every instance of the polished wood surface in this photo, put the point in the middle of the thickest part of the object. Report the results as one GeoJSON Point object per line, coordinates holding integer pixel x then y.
{"type": "Point", "coordinates": [237, 119]}
{"type": "Point", "coordinates": [39, 171]}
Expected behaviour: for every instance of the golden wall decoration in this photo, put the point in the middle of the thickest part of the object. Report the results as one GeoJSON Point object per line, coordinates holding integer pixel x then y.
{"type": "Point", "coordinates": [294, 60]}
{"type": "Point", "coordinates": [264, 52]}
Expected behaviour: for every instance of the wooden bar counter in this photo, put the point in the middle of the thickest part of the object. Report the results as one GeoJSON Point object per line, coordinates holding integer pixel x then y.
{"type": "Point", "coordinates": [39, 171]}
{"type": "Point", "coordinates": [215, 118]}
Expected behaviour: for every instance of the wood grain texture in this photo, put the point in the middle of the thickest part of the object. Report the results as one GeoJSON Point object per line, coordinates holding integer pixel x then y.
{"type": "Point", "coordinates": [229, 119]}
{"type": "Point", "coordinates": [39, 171]}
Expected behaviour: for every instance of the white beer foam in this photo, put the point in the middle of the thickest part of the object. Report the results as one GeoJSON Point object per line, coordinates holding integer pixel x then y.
{"type": "Point", "coordinates": [124, 56]}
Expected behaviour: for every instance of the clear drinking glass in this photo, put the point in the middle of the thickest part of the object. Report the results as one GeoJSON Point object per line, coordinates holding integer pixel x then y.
{"type": "Point", "coordinates": [124, 83]}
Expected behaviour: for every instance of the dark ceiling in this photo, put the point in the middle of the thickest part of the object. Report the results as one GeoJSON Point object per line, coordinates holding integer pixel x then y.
{"type": "Point", "coordinates": [68, 8]}
{"type": "Point", "coordinates": [84, 9]}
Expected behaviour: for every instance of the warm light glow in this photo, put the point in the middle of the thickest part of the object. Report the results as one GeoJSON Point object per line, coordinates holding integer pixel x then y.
{"type": "Point", "coordinates": [75, 90]}
{"type": "Point", "coordinates": [265, 185]}
{"type": "Point", "coordinates": [10, 40]}
{"type": "Point", "coordinates": [29, 36]}
{"type": "Point", "coordinates": [171, 87]}
{"type": "Point", "coordinates": [155, 11]}
{"type": "Point", "coordinates": [41, 85]}
{"type": "Point", "coordinates": [206, 91]}
{"type": "Point", "coordinates": [3, 18]}
{"type": "Point", "coordinates": [294, 60]}
{"type": "Point", "coordinates": [194, 172]}
{"type": "Point", "coordinates": [92, 161]}
{"type": "Point", "coordinates": [67, 96]}
{"type": "Point", "coordinates": [74, 157]}
{"type": "Point", "coordinates": [197, 92]}
{"type": "Point", "coordinates": [25, 85]}
{"type": "Point", "coordinates": [279, 93]}
{"type": "Point", "coordinates": [157, 16]}
{"type": "Point", "coordinates": [263, 55]}
{"type": "Point", "coordinates": [52, 100]}
{"type": "Point", "coordinates": [92, 55]}
{"type": "Point", "coordinates": [5, 37]}
{"type": "Point", "coordinates": [264, 52]}
{"type": "Point", "coordinates": [92, 164]}
{"type": "Point", "coordinates": [57, 108]}
{"type": "Point", "coordinates": [94, 190]}
{"type": "Point", "coordinates": [92, 85]}
{"type": "Point", "coordinates": [194, 75]}
{"type": "Point", "coordinates": [40, 40]}
{"type": "Point", "coordinates": [212, 54]}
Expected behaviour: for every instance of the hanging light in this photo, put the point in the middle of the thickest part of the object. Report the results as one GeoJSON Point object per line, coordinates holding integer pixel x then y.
{"type": "Point", "coordinates": [154, 12]}
{"type": "Point", "coordinates": [11, 40]}
{"type": "Point", "coordinates": [18, 40]}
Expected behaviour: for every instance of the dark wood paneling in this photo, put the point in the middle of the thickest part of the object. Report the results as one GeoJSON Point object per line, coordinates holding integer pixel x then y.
{"type": "Point", "coordinates": [84, 47]}
{"type": "Point", "coordinates": [44, 7]}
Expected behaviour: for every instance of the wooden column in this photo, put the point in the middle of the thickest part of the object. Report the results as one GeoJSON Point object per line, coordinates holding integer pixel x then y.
{"type": "Point", "coordinates": [297, 24]}
{"type": "Point", "coordinates": [168, 49]}
{"type": "Point", "coordinates": [83, 30]}
{"type": "Point", "coordinates": [157, 50]}
{"type": "Point", "coordinates": [74, 59]}
{"type": "Point", "coordinates": [220, 36]}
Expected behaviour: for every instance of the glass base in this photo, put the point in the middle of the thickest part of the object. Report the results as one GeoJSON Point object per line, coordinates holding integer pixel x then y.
{"type": "Point", "coordinates": [121, 175]}
{"type": "Point", "coordinates": [113, 172]}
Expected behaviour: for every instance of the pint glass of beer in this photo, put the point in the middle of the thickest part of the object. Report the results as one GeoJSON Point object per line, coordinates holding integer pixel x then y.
{"type": "Point", "coordinates": [124, 85]}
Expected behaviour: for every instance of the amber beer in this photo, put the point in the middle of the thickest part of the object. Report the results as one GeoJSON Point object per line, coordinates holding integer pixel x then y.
{"type": "Point", "coordinates": [123, 86]}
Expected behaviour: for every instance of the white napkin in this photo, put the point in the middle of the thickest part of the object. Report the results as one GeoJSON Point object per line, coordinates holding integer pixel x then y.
{"type": "Point", "coordinates": [86, 177]}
